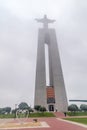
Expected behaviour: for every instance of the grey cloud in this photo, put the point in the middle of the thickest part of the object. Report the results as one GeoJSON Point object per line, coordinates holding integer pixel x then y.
{"type": "Point", "coordinates": [18, 47]}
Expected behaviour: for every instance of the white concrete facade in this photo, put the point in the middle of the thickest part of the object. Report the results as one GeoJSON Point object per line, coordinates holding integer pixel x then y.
{"type": "Point", "coordinates": [48, 36]}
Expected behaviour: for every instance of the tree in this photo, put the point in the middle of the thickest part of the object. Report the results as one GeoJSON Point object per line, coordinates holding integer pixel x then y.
{"type": "Point", "coordinates": [23, 105]}
{"type": "Point", "coordinates": [42, 109]}
{"type": "Point", "coordinates": [14, 111]}
{"type": "Point", "coordinates": [37, 107]}
{"type": "Point", "coordinates": [83, 107]}
{"type": "Point", "coordinates": [2, 111]}
{"type": "Point", "coordinates": [30, 110]}
{"type": "Point", "coordinates": [73, 108]}
{"type": "Point", "coordinates": [5, 110]}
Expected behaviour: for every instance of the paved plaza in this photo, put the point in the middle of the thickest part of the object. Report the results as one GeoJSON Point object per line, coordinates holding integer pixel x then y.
{"type": "Point", "coordinates": [48, 124]}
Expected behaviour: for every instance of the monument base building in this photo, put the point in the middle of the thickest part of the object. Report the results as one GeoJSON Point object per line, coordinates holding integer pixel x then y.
{"type": "Point", "coordinates": [52, 97]}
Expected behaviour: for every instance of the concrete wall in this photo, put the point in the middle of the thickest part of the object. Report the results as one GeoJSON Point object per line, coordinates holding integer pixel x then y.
{"type": "Point", "coordinates": [48, 36]}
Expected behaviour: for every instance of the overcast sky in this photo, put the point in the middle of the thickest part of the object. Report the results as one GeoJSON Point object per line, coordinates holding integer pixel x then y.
{"type": "Point", "coordinates": [18, 46]}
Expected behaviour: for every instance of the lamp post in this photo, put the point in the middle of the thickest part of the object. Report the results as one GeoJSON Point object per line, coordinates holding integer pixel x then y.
{"type": "Point", "coordinates": [15, 110]}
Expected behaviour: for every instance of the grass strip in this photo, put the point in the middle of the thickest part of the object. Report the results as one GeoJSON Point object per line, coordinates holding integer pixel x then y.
{"type": "Point", "coordinates": [77, 113]}
{"type": "Point", "coordinates": [37, 114]}
{"type": "Point", "coordinates": [78, 120]}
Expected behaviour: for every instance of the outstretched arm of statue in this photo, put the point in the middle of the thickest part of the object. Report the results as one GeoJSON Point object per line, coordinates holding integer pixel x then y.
{"type": "Point", "coordinates": [39, 20]}
{"type": "Point", "coordinates": [51, 21]}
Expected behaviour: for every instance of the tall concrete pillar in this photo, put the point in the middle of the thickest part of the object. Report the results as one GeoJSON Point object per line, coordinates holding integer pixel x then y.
{"type": "Point", "coordinates": [40, 83]}
{"type": "Point", "coordinates": [53, 96]}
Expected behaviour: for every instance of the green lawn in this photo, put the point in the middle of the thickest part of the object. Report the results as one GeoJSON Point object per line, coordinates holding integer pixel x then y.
{"type": "Point", "coordinates": [78, 120]}
{"type": "Point", "coordinates": [45, 114]}
{"type": "Point", "coordinates": [7, 116]}
{"type": "Point", "coordinates": [77, 113]}
{"type": "Point", "coordinates": [37, 114]}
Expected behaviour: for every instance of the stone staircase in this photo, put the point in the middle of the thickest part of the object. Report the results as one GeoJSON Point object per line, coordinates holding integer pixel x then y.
{"type": "Point", "coordinates": [59, 114]}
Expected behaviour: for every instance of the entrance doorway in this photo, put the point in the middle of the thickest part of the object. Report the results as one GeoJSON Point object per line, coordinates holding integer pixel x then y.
{"type": "Point", "coordinates": [51, 107]}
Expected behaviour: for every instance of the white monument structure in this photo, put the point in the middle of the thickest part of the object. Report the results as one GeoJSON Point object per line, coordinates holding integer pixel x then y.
{"type": "Point", "coordinates": [53, 97]}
